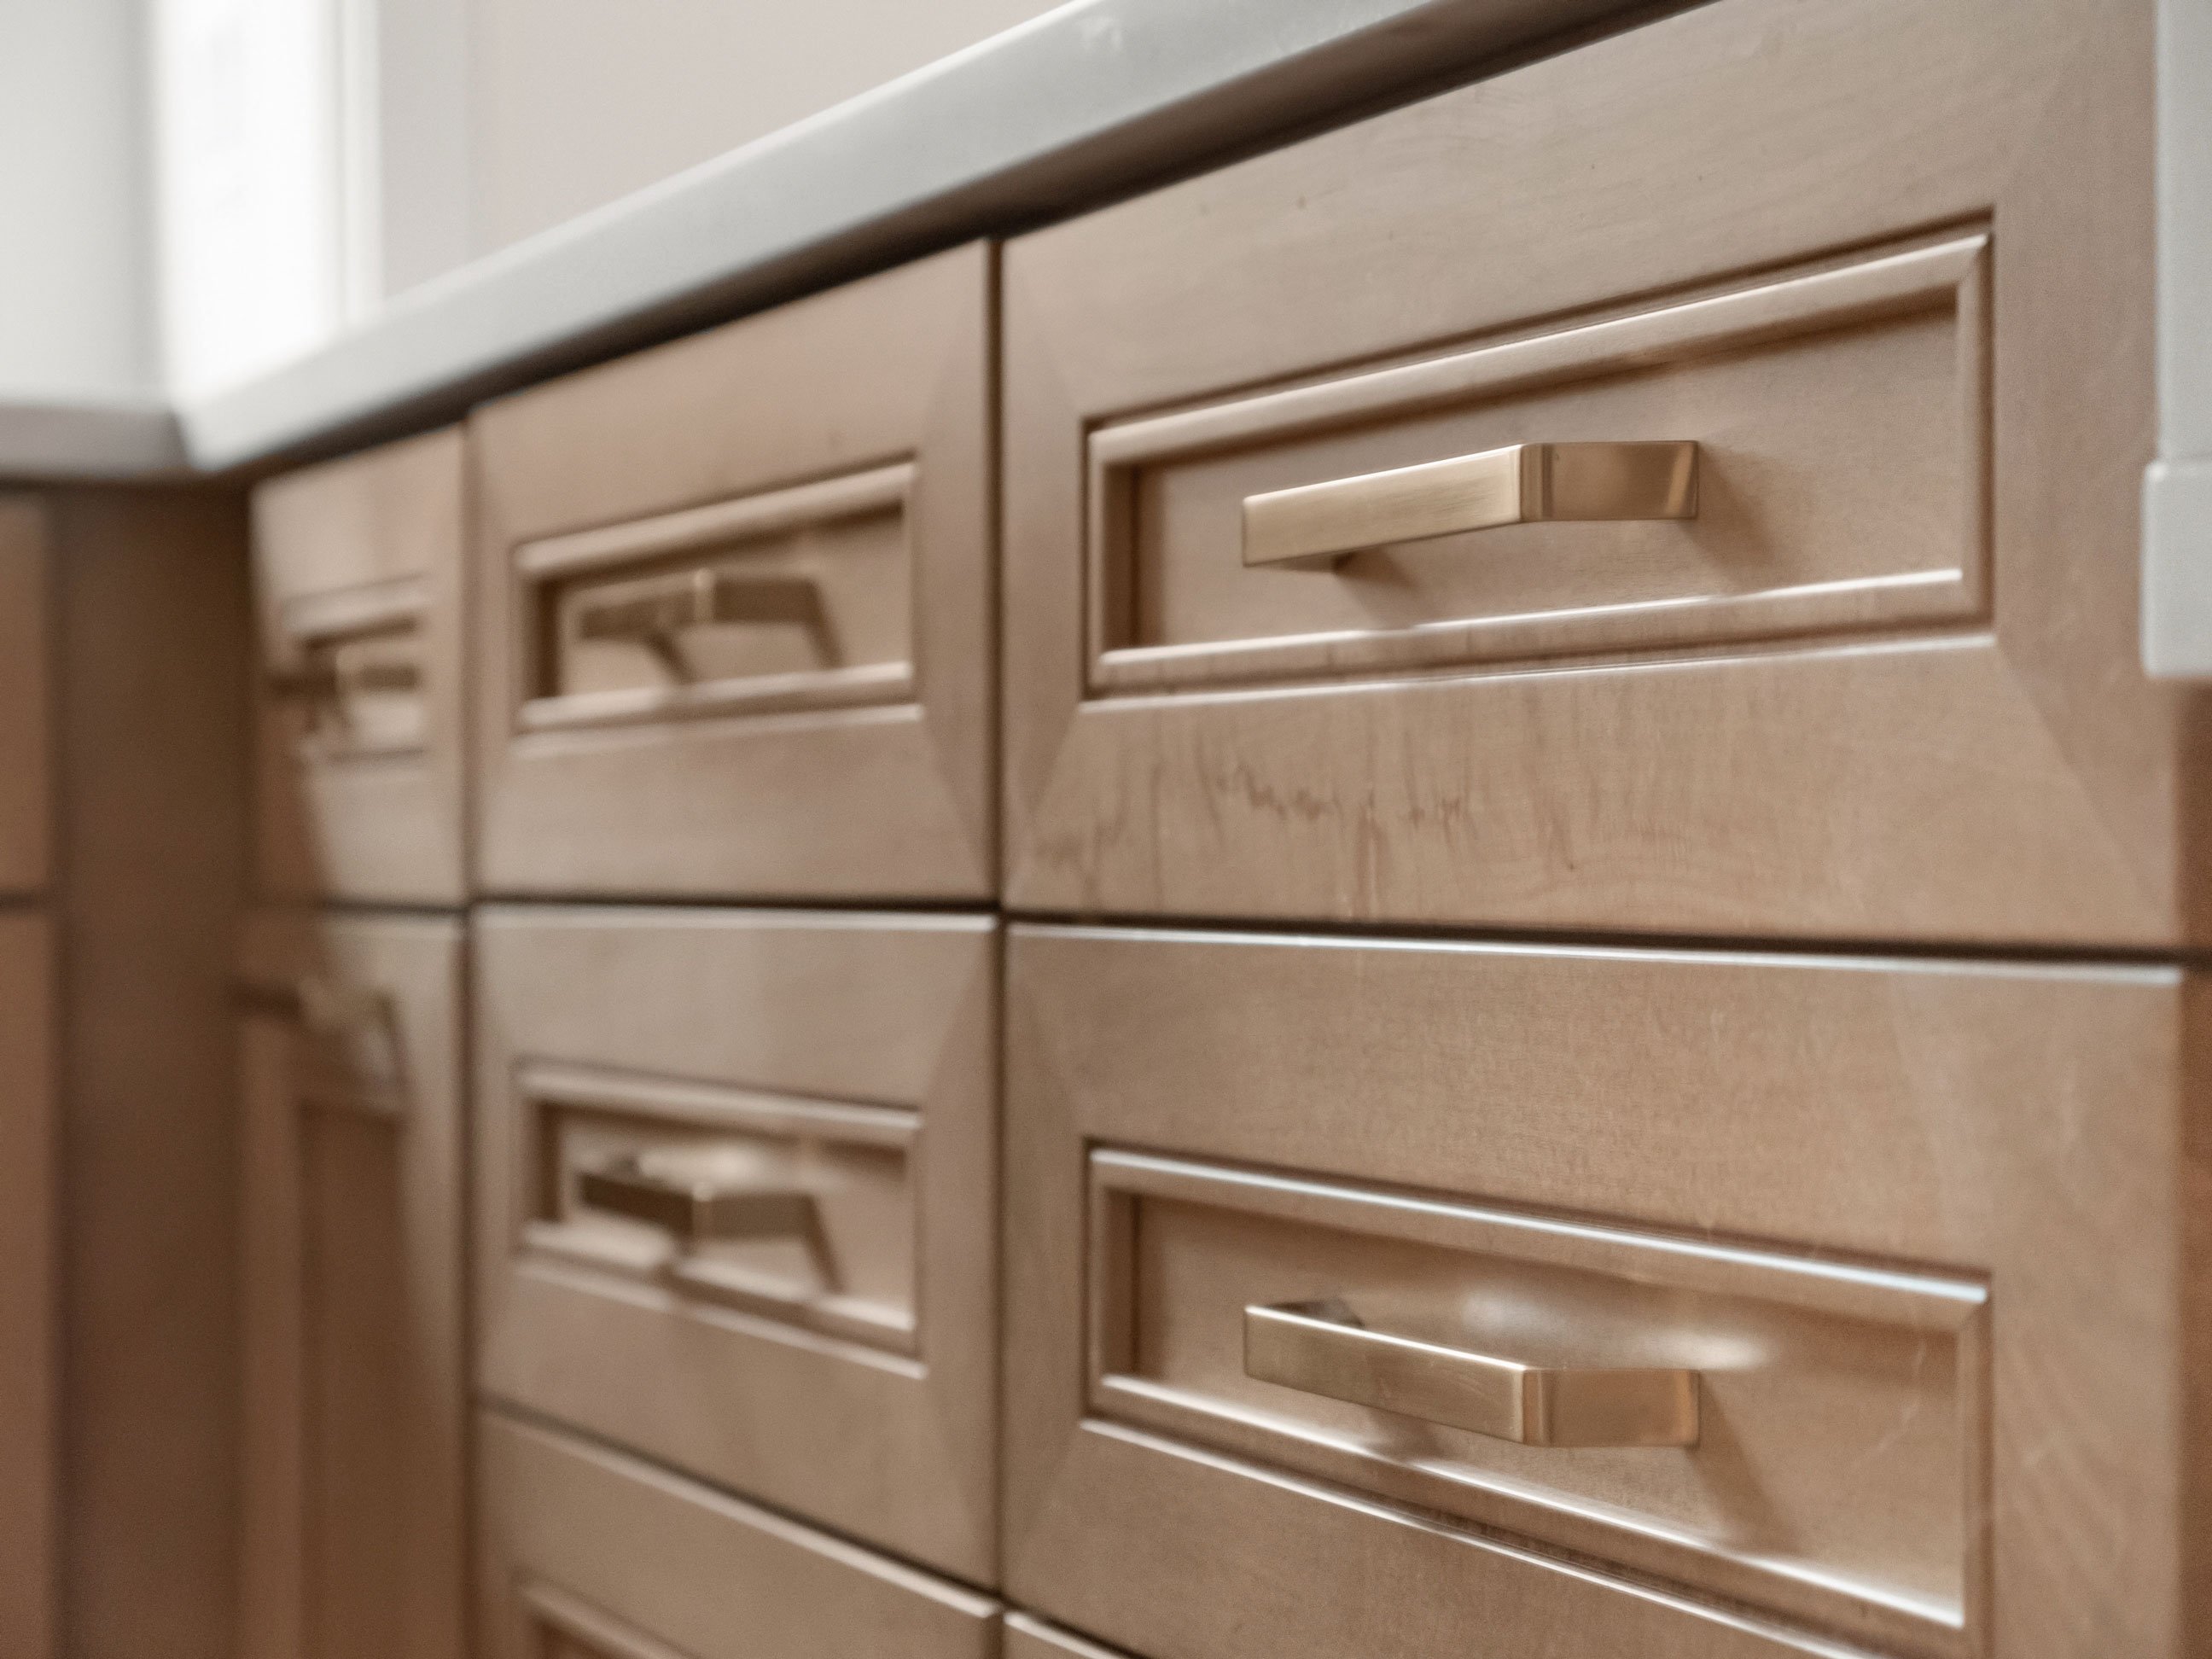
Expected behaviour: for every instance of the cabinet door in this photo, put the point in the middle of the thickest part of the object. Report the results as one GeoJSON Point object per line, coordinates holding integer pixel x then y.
{"type": "Point", "coordinates": [358, 591]}
{"type": "Point", "coordinates": [25, 808]}
{"type": "Point", "coordinates": [588, 1554]}
{"type": "Point", "coordinates": [736, 1178]}
{"type": "Point", "coordinates": [351, 1203]}
{"type": "Point", "coordinates": [734, 602]}
{"type": "Point", "coordinates": [1686, 483]}
{"type": "Point", "coordinates": [1786, 1299]}
{"type": "Point", "coordinates": [29, 1424]}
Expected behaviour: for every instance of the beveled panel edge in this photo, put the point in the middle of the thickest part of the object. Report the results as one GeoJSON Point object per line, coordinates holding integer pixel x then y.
{"type": "Point", "coordinates": [754, 515]}
{"type": "Point", "coordinates": [566, 1083]}
{"type": "Point", "coordinates": [1892, 282]}
{"type": "Point", "coordinates": [744, 518]}
{"type": "Point", "coordinates": [552, 1246]}
{"type": "Point", "coordinates": [581, 1621]}
{"type": "Point", "coordinates": [1937, 1303]}
{"type": "Point", "coordinates": [1867, 287]}
{"type": "Point", "coordinates": [1924, 1300]}
{"type": "Point", "coordinates": [930, 1585]}
{"type": "Point", "coordinates": [1596, 1579]}
{"type": "Point", "coordinates": [359, 608]}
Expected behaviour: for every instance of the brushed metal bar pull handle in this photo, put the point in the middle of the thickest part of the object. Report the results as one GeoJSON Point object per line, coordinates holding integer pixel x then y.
{"type": "Point", "coordinates": [1320, 1347]}
{"type": "Point", "coordinates": [1316, 525]}
{"type": "Point", "coordinates": [696, 1209]}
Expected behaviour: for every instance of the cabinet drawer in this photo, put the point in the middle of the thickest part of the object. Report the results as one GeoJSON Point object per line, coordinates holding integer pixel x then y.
{"type": "Point", "coordinates": [735, 607]}
{"type": "Point", "coordinates": [736, 1207]}
{"type": "Point", "coordinates": [359, 575]}
{"type": "Point", "coordinates": [355, 1391]}
{"type": "Point", "coordinates": [25, 782]}
{"type": "Point", "coordinates": [588, 1554]}
{"type": "Point", "coordinates": [1744, 1284]}
{"type": "Point", "coordinates": [1603, 497]}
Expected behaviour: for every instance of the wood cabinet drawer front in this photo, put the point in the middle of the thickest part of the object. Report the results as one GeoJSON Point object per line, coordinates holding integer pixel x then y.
{"type": "Point", "coordinates": [1557, 504]}
{"type": "Point", "coordinates": [735, 601]}
{"type": "Point", "coordinates": [25, 800]}
{"type": "Point", "coordinates": [1775, 1293]}
{"type": "Point", "coordinates": [358, 577]}
{"type": "Point", "coordinates": [356, 1373]}
{"type": "Point", "coordinates": [589, 1554]}
{"type": "Point", "coordinates": [736, 1198]}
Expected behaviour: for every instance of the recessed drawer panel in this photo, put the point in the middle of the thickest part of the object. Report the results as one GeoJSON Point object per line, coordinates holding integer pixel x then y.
{"type": "Point", "coordinates": [1698, 1304]}
{"type": "Point", "coordinates": [358, 569]}
{"type": "Point", "coordinates": [795, 599]}
{"type": "Point", "coordinates": [797, 1210]}
{"type": "Point", "coordinates": [736, 598]}
{"type": "Point", "coordinates": [588, 1554]}
{"type": "Point", "coordinates": [736, 1207]}
{"type": "Point", "coordinates": [1662, 487]}
{"type": "Point", "coordinates": [1807, 453]}
{"type": "Point", "coordinates": [1799, 1434]}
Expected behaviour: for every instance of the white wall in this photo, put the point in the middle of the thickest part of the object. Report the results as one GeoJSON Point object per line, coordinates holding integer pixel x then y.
{"type": "Point", "coordinates": [250, 165]}
{"type": "Point", "coordinates": [574, 103]}
{"type": "Point", "coordinates": [191, 191]}
{"type": "Point", "coordinates": [75, 282]}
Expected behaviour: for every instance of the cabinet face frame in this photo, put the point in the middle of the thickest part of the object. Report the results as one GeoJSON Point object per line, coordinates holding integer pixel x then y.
{"type": "Point", "coordinates": [1893, 1112]}
{"type": "Point", "coordinates": [620, 1558]}
{"type": "Point", "coordinates": [892, 1014]}
{"type": "Point", "coordinates": [352, 1027]}
{"type": "Point", "coordinates": [858, 783]}
{"type": "Point", "coordinates": [2005, 777]}
{"type": "Point", "coordinates": [30, 1419]}
{"type": "Point", "coordinates": [368, 547]}
{"type": "Point", "coordinates": [26, 768]}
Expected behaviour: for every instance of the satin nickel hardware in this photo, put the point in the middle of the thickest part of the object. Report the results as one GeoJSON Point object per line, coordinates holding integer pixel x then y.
{"type": "Point", "coordinates": [698, 598]}
{"type": "Point", "coordinates": [1316, 525]}
{"type": "Point", "coordinates": [696, 1204]}
{"type": "Point", "coordinates": [1321, 1347]}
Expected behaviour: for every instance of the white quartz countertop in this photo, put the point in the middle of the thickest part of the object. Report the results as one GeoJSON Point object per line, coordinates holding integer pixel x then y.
{"type": "Point", "coordinates": [1086, 101]}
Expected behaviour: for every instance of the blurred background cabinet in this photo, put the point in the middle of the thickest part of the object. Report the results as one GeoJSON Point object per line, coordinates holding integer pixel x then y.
{"type": "Point", "coordinates": [355, 1402]}
{"type": "Point", "coordinates": [122, 865]}
{"type": "Point", "coordinates": [360, 590]}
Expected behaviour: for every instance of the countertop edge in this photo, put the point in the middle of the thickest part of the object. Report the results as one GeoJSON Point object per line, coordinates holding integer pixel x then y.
{"type": "Point", "coordinates": [1083, 103]}
{"type": "Point", "coordinates": [49, 441]}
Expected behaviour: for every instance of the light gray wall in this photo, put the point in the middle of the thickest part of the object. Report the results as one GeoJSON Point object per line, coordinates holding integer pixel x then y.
{"type": "Point", "coordinates": [2177, 574]}
{"type": "Point", "coordinates": [572, 103]}
{"type": "Point", "coordinates": [76, 288]}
